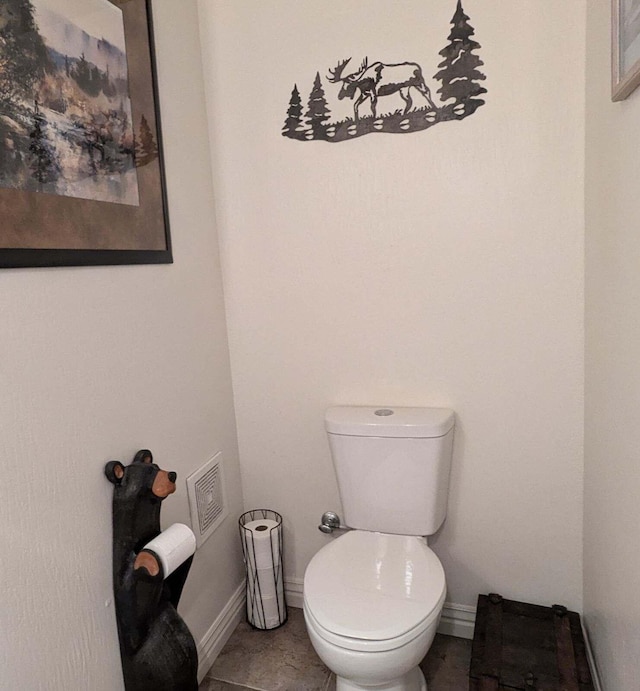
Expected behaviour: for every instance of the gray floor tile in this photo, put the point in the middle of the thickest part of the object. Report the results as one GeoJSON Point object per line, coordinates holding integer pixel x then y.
{"type": "Point", "coordinates": [284, 660]}
{"type": "Point", "coordinates": [446, 666]}
{"type": "Point", "coordinates": [278, 660]}
{"type": "Point", "coordinates": [215, 685]}
{"type": "Point", "coordinates": [331, 683]}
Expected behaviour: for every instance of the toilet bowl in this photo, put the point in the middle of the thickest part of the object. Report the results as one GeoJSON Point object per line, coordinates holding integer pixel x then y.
{"type": "Point", "coordinates": [373, 597]}
{"type": "Point", "coordinates": [372, 604]}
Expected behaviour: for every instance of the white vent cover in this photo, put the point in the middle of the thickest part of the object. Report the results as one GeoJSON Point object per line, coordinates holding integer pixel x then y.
{"type": "Point", "coordinates": [207, 501]}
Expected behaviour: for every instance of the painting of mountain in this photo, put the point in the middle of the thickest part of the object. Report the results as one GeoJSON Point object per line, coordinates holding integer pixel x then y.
{"type": "Point", "coordinates": [66, 122]}
{"type": "Point", "coordinates": [107, 52]}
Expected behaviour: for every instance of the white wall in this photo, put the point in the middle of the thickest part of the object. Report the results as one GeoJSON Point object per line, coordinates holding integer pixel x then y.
{"type": "Point", "coordinates": [612, 434]}
{"type": "Point", "coordinates": [97, 363]}
{"type": "Point", "coordinates": [435, 268]}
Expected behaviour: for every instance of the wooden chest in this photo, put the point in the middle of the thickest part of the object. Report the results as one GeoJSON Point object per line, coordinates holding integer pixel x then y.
{"type": "Point", "coordinates": [522, 646]}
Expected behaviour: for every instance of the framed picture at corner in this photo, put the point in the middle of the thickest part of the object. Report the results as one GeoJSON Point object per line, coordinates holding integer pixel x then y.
{"type": "Point", "coordinates": [625, 53]}
{"type": "Point", "coordinates": [81, 168]}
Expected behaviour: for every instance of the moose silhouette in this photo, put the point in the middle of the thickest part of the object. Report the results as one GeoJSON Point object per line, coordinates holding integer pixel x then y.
{"type": "Point", "coordinates": [379, 79]}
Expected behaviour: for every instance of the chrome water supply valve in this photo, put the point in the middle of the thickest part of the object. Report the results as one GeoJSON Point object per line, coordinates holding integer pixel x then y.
{"type": "Point", "coordinates": [329, 522]}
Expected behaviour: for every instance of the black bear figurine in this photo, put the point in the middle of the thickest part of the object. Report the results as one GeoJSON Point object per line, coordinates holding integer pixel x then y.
{"type": "Point", "coordinates": [157, 649]}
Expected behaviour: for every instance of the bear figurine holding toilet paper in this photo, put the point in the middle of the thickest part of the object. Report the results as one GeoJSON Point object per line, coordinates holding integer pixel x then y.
{"type": "Point", "coordinates": [150, 568]}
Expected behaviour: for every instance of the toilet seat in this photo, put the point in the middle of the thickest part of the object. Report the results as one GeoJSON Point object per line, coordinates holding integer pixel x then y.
{"type": "Point", "coordinates": [373, 591]}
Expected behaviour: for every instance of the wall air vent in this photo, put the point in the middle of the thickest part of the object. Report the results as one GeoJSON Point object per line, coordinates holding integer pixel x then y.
{"type": "Point", "coordinates": [207, 500]}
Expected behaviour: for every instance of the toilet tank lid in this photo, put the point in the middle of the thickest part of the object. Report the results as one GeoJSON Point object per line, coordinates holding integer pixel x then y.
{"type": "Point", "coordinates": [391, 421]}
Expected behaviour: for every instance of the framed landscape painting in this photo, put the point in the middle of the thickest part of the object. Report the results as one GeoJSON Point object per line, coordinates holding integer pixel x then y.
{"type": "Point", "coordinates": [625, 53]}
{"type": "Point", "coordinates": [81, 167]}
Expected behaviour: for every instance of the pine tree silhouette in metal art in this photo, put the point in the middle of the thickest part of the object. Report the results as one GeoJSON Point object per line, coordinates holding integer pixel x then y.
{"type": "Point", "coordinates": [369, 85]}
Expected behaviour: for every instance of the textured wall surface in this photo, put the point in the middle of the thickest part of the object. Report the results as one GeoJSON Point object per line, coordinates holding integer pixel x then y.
{"type": "Point", "coordinates": [97, 363]}
{"type": "Point", "coordinates": [441, 267]}
{"type": "Point", "coordinates": [612, 434]}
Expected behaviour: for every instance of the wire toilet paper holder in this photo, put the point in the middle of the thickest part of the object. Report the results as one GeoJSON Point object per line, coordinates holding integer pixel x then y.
{"type": "Point", "coordinates": [262, 549]}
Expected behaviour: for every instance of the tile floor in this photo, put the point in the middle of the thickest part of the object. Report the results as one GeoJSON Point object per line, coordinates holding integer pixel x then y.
{"type": "Point", "coordinates": [284, 660]}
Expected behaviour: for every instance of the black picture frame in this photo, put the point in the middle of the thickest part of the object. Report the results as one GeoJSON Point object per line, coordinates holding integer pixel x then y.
{"type": "Point", "coordinates": [39, 229]}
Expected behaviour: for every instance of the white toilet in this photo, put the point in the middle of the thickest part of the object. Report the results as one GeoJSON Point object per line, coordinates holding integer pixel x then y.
{"type": "Point", "coordinates": [373, 597]}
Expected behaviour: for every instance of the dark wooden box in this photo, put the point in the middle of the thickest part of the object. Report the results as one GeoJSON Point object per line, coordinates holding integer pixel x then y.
{"type": "Point", "coordinates": [522, 646]}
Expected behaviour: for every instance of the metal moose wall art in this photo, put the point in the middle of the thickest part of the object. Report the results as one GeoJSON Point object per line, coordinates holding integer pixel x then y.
{"type": "Point", "coordinates": [369, 84]}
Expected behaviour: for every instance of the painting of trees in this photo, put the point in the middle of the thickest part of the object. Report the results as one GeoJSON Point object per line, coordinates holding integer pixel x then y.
{"type": "Point", "coordinates": [23, 54]}
{"type": "Point", "coordinates": [146, 147]}
{"type": "Point", "coordinates": [78, 112]}
{"type": "Point", "coordinates": [90, 78]}
{"type": "Point", "coordinates": [78, 139]}
{"type": "Point", "coordinates": [43, 159]}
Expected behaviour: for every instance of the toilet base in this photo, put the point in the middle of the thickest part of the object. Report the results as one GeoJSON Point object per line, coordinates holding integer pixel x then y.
{"type": "Point", "coordinates": [412, 681]}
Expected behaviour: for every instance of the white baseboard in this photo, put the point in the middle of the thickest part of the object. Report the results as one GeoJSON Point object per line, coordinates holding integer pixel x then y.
{"type": "Point", "coordinates": [293, 592]}
{"type": "Point", "coordinates": [591, 658]}
{"type": "Point", "coordinates": [220, 631]}
{"type": "Point", "coordinates": [456, 620]}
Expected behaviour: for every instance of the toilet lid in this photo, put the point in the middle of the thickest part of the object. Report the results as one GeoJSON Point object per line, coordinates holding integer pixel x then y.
{"type": "Point", "coordinates": [373, 586]}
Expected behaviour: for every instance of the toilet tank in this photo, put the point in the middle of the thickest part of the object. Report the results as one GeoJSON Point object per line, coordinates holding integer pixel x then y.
{"type": "Point", "coordinates": [392, 466]}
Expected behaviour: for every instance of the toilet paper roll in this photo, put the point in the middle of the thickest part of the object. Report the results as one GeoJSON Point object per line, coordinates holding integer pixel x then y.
{"type": "Point", "coordinates": [261, 543]}
{"type": "Point", "coordinates": [266, 583]}
{"type": "Point", "coordinates": [265, 613]}
{"type": "Point", "coordinates": [173, 547]}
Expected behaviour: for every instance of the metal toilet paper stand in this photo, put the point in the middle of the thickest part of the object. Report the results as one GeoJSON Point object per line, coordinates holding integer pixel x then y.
{"type": "Point", "coordinates": [262, 548]}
